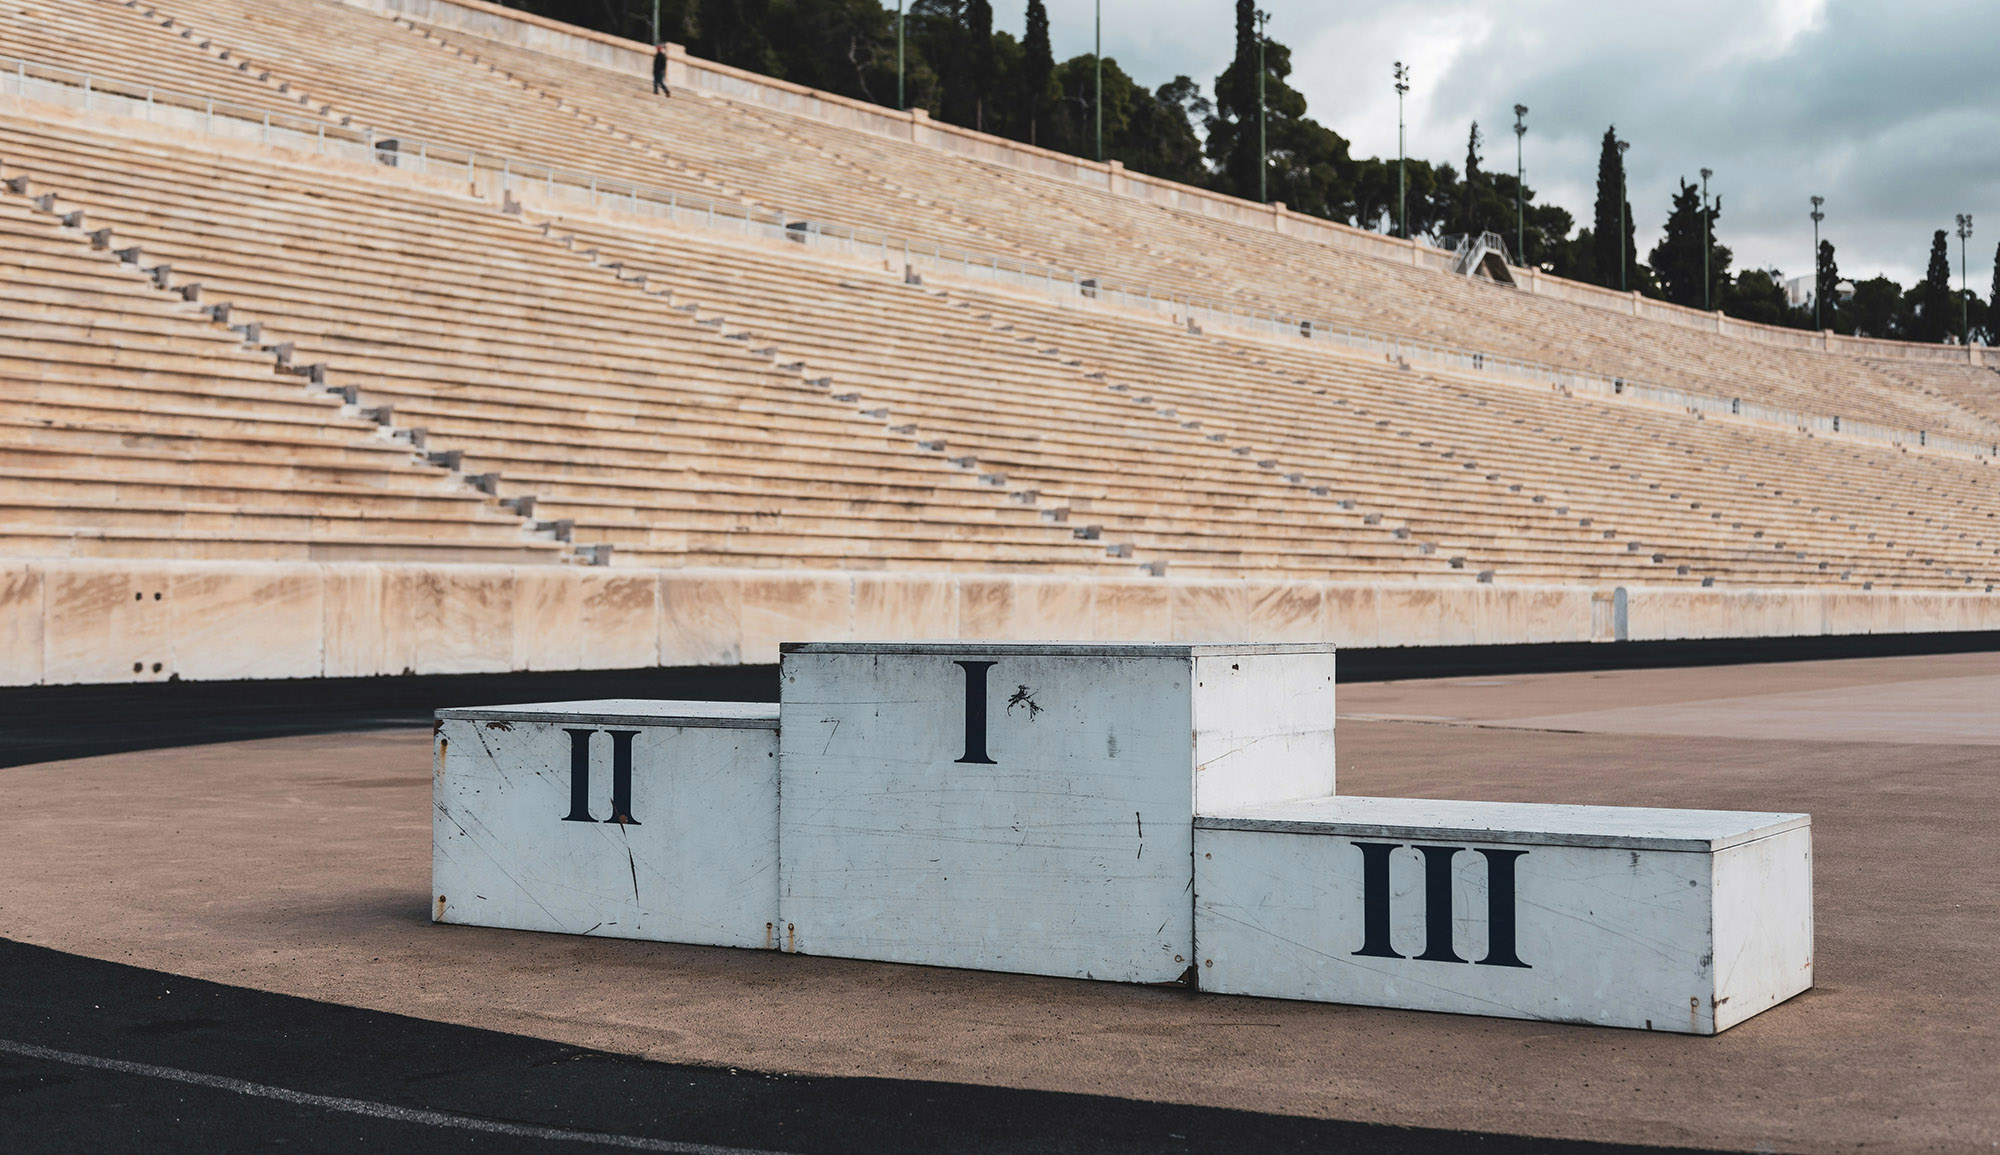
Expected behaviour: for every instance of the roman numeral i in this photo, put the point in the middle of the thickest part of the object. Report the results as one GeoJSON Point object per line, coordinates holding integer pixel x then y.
{"type": "Point", "coordinates": [975, 711]}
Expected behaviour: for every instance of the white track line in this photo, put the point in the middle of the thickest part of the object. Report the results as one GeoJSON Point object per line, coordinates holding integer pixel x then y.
{"type": "Point", "coordinates": [370, 1109]}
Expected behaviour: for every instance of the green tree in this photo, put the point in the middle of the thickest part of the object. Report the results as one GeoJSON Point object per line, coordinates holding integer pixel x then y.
{"type": "Point", "coordinates": [1993, 304]}
{"type": "Point", "coordinates": [1677, 262]}
{"type": "Point", "coordinates": [1876, 309]}
{"type": "Point", "coordinates": [1145, 131]}
{"type": "Point", "coordinates": [1758, 295]}
{"type": "Point", "coordinates": [1936, 308]}
{"type": "Point", "coordinates": [1036, 95]}
{"type": "Point", "coordinates": [1546, 228]}
{"type": "Point", "coordinates": [1826, 288]}
{"type": "Point", "coordinates": [1470, 220]}
{"type": "Point", "coordinates": [1611, 241]}
{"type": "Point", "coordinates": [733, 32]}
{"type": "Point", "coordinates": [1372, 194]}
{"type": "Point", "coordinates": [1433, 197]}
{"type": "Point", "coordinates": [1233, 141]}
{"type": "Point", "coordinates": [982, 60]}
{"type": "Point", "coordinates": [1307, 166]}
{"type": "Point", "coordinates": [1184, 109]}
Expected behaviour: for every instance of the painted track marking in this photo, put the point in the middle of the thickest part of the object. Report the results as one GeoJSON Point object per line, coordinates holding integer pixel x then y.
{"type": "Point", "coordinates": [370, 1108]}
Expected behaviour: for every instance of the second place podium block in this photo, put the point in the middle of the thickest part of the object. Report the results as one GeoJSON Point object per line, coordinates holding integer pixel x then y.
{"type": "Point", "coordinates": [618, 818]}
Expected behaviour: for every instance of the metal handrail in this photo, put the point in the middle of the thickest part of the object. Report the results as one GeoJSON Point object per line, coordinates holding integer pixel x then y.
{"type": "Point", "coordinates": [227, 119]}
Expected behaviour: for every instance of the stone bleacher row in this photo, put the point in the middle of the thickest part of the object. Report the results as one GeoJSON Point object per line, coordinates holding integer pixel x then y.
{"type": "Point", "coordinates": [660, 435]}
{"type": "Point", "coordinates": [1077, 227]}
{"type": "Point", "coordinates": [1327, 452]}
{"type": "Point", "coordinates": [512, 101]}
{"type": "Point", "coordinates": [623, 379]}
{"type": "Point", "coordinates": [133, 428]}
{"type": "Point", "coordinates": [760, 404]}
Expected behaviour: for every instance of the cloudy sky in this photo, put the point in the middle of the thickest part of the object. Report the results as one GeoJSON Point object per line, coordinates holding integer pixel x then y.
{"type": "Point", "coordinates": [1889, 110]}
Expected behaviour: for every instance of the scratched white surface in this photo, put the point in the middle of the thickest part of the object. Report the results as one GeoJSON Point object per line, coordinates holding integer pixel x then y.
{"type": "Point", "coordinates": [699, 867]}
{"type": "Point", "coordinates": [1685, 941]}
{"type": "Point", "coordinates": [1069, 854]}
{"type": "Point", "coordinates": [1763, 924]}
{"type": "Point", "coordinates": [1630, 827]}
{"type": "Point", "coordinates": [1263, 728]}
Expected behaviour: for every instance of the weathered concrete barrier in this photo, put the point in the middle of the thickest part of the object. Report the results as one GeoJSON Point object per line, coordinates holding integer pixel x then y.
{"type": "Point", "coordinates": [1028, 806]}
{"type": "Point", "coordinates": [621, 818]}
{"type": "Point", "coordinates": [1670, 920]}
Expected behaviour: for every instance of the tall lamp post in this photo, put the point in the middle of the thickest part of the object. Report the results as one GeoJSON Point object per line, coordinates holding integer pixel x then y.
{"type": "Point", "coordinates": [1520, 187]}
{"type": "Point", "coordinates": [1964, 305]}
{"type": "Point", "coordinates": [1402, 183]}
{"type": "Point", "coordinates": [1263, 152]}
{"type": "Point", "coordinates": [899, 57]}
{"type": "Point", "coordinates": [1707, 242]}
{"type": "Point", "coordinates": [1622, 146]}
{"type": "Point", "coordinates": [1817, 217]}
{"type": "Point", "coordinates": [656, 23]}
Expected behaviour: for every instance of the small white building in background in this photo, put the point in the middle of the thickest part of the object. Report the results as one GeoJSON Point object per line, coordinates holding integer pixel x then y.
{"type": "Point", "coordinates": [1799, 291]}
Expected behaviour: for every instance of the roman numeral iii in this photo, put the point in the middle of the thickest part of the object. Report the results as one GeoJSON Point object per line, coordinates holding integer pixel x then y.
{"type": "Point", "coordinates": [1438, 945]}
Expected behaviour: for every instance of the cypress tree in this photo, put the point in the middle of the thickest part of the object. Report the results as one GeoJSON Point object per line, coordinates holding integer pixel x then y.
{"type": "Point", "coordinates": [1935, 324]}
{"type": "Point", "coordinates": [1825, 279]}
{"type": "Point", "coordinates": [1232, 131]}
{"type": "Point", "coordinates": [1038, 69]}
{"type": "Point", "coordinates": [1993, 304]}
{"type": "Point", "coordinates": [1609, 238]}
{"type": "Point", "coordinates": [1473, 225]}
{"type": "Point", "coordinates": [982, 67]}
{"type": "Point", "coordinates": [1676, 260]}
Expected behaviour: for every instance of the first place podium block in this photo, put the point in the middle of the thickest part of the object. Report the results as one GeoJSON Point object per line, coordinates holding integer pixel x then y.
{"type": "Point", "coordinates": [1026, 806]}
{"type": "Point", "coordinates": [620, 818]}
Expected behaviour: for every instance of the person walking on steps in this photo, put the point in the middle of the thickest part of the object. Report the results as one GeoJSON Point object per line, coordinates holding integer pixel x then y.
{"type": "Point", "coordinates": [660, 70]}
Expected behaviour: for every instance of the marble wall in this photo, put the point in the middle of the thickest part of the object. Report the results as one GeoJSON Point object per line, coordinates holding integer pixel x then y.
{"type": "Point", "coordinates": [71, 621]}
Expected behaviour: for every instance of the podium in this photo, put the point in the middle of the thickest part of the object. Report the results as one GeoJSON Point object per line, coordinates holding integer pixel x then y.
{"type": "Point", "coordinates": [1144, 813]}
{"type": "Point", "coordinates": [1668, 920]}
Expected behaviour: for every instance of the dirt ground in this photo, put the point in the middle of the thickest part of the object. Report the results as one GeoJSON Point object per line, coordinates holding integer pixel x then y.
{"type": "Point", "coordinates": [301, 866]}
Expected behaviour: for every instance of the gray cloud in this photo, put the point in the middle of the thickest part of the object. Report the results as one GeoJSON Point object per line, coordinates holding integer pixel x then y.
{"type": "Point", "coordinates": [1890, 111]}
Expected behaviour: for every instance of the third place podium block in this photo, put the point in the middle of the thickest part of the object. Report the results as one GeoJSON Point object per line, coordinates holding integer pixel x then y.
{"type": "Point", "coordinates": [1670, 920]}
{"type": "Point", "coordinates": [1026, 806]}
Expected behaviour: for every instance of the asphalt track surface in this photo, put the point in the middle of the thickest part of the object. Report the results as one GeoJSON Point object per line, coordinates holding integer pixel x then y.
{"type": "Point", "coordinates": [283, 986]}
{"type": "Point", "coordinates": [106, 1057]}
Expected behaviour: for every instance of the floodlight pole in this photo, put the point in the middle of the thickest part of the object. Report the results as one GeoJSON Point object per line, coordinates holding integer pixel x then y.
{"type": "Point", "coordinates": [1817, 217]}
{"type": "Point", "coordinates": [1263, 149]}
{"type": "Point", "coordinates": [1520, 187]}
{"type": "Point", "coordinates": [1098, 51]}
{"type": "Point", "coordinates": [656, 22]}
{"type": "Point", "coordinates": [1964, 306]}
{"type": "Point", "coordinates": [900, 104]}
{"type": "Point", "coordinates": [1402, 181]}
{"type": "Point", "coordinates": [1622, 146]}
{"type": "Point", "coordinates": [1706, 242]}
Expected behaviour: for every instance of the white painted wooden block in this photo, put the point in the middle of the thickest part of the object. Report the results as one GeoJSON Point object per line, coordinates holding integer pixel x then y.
{"type": "Point", "coordinates": [621, 818]}
{"type": "Point", "coordinates": [1027, 806]}
{"type": "Point", "coordinates": [1669, 920]}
